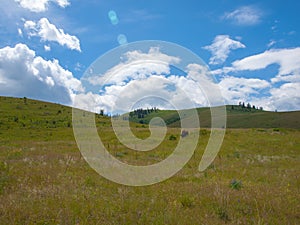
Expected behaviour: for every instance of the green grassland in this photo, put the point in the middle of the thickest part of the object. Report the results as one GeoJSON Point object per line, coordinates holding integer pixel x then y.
{"type": "Point", "coordinates": [45, 180]}
{"type": "Point", "coordinates": [237, 117]}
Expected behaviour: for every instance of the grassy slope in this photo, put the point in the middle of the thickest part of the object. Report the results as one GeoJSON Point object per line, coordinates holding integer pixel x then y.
{"type": "Point", "coordinates": [36, 114]}
{"type": "Point", "coordinates": [236, 118]}
{"type": "Point", "coordinates": [44, 179]}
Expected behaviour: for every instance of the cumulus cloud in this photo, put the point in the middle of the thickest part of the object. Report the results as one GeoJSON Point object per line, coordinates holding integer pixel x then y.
{"type": "Point", "coordinates": [132, 94]}
{"type": "Point", "coordinates": [235, 89]}
{"type": "Point", "coordinates": [283, 98]}
{"type": "Point", "coordinates": [245, 15]}
{"type": "Point", "coordinates": [136, 65]}
{"type": "Point", "coordinates": [145, 79]}
{"type": "Point", "coordinates": [49, 32]}
{"type": "Point", "coordinates": [286, 97]}
{"type": "Point", "coordinates": [38, 6]}
{"type": "Point", "coordinates": [172, 92]}
{"type": "Point", "coordinates": [281, 92]}
{"type": "Point", "coordinates": [22, 73]}
{"type": "Point", "coordinates": [221, 47]}
{"type": "Point", "coordinates": [261, 93]}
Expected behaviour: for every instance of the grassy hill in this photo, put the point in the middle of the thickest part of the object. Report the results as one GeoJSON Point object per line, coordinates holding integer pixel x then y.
{"type": "Point", "coordinates": [237, 117]}
{"type": "Point", "coordinates": [45, 180]}
{"type": "Point", "coordinates": [26, 113]}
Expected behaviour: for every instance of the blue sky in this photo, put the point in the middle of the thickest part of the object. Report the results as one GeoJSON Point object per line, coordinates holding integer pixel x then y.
{"type": "Point", "coordinates": [251, 47]}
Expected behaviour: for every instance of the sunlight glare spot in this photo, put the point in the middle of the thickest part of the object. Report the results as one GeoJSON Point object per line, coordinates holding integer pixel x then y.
{"type": "Point", "coordinates": [113, 17]}
{"type": "Point", "coordinates": [122, 39]}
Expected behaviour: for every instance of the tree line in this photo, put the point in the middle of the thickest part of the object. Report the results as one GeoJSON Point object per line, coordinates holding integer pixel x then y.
{"type": "Point", "coordinates": [141, 113]}
{"type": "Point", "coordinates": [248, 106]}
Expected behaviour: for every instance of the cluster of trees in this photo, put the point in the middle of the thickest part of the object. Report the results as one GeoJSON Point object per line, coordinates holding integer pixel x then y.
{"type": "Point", "coordinates": [140, 113]}
{"type": "Point", "coordinates": [248, 106]}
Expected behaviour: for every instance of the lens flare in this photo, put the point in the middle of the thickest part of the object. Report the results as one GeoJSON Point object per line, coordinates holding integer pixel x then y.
{"type": "Point", "coordinates": [122, 39]}
{"type": "Point", "coordinates": [112, 15]}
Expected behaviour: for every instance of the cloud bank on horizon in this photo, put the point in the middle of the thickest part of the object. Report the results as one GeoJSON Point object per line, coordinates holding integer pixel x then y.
{"type": "Point", "coordinates": [253, 52]}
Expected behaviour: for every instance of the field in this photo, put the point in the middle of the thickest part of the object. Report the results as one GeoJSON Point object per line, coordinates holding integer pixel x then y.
{"type": "Point", "coordinates": [45, 180]}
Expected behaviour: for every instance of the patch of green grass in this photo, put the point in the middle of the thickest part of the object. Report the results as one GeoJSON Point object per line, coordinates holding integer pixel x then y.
{"type": "Point", "coordinates": [222, 214]}
{"type": "Point", "coordinates": [187, 201]}
{"type": "Point", "coordinates": [4, 176]}
{"type": "Point", "coordinates": [236, 184]}
{"type": "Point", "coordinates": [172, 137]}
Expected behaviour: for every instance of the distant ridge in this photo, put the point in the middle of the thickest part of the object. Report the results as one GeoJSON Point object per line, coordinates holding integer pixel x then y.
{"type": "Point", "coordinates": [237, 117]}
{"type": "Point", "coordinates": [25, 112]}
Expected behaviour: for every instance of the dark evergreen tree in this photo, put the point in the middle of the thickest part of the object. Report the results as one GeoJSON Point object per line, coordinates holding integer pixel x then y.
{"type": "Point", "coordinates": [101, 112]}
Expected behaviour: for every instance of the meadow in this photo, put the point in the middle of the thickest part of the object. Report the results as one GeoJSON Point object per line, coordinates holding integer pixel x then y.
{"type": "Point", "coordinates": [45, 180]}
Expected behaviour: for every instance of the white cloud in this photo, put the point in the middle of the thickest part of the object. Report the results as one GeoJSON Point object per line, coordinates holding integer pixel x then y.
{"type": "Point", "coordinates": [22, 73]}
{"type": "Point", "coordinates": [286, 96]}
{"type": "Point", "coordinates": [148, 76]}
{"type": "Point", "coordinates": [48, 32]}
{"type": "Point", "coordinates": [38, 6]}
{"type": "Point", "coordinates": [78, 67]}
{"type": "Point", "coordinates": [30, 25]}
{"type": "Point", "coordinates": [287, 59]}
{"type": "Point", "coordinates": [271, 43]}
{"type": "Point", "coordinates": [260, 92]}
{"type": "Point", "coordinates": [221, 47]}
{"type": "Point", "coordinates": [20, 32]}
{"type": "Point", "coordinates": [283, 98]}
{"type": "Point", "coordinates": [62, 3]}
{"type": "Point", "coordinates": [136, 65]}
{"type": "Point", "coordinates": [92, 102]}
{"type": "Point", "coordinates": [173, 92]}
{"type": "Point", "coordinates": [235, 89]}
{"type": "Point", "coordinates": [246, 15]}
{"type": "Point", "coordinates": [122, 98]}
{"type": "Point", "coordinates": [47, 48]}
{"type": "Point", "coordinates": [34, 5]}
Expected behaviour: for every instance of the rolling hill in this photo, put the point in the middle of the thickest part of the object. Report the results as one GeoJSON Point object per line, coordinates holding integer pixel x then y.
{"type": "Point", "coordinates": [237, 117]}
{"type": "Point", "coordinates": [28, 113]}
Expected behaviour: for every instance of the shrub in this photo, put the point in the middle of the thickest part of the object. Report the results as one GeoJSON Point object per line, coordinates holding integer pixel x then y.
{"type": "Point", "coordinates": [187, 202]}
{"type": "Point", "coordinates": [236, 154]}
{"type": "Point", "coordinates": [172, 137]}
{"type": "Point", "coordinates": [222, 213]}
{"type": "Point", "coordinates": [236, 184]}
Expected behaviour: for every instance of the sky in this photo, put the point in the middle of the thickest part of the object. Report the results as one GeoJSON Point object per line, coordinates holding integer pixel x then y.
{"type": "Point", "coordinates": [250, 48]}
